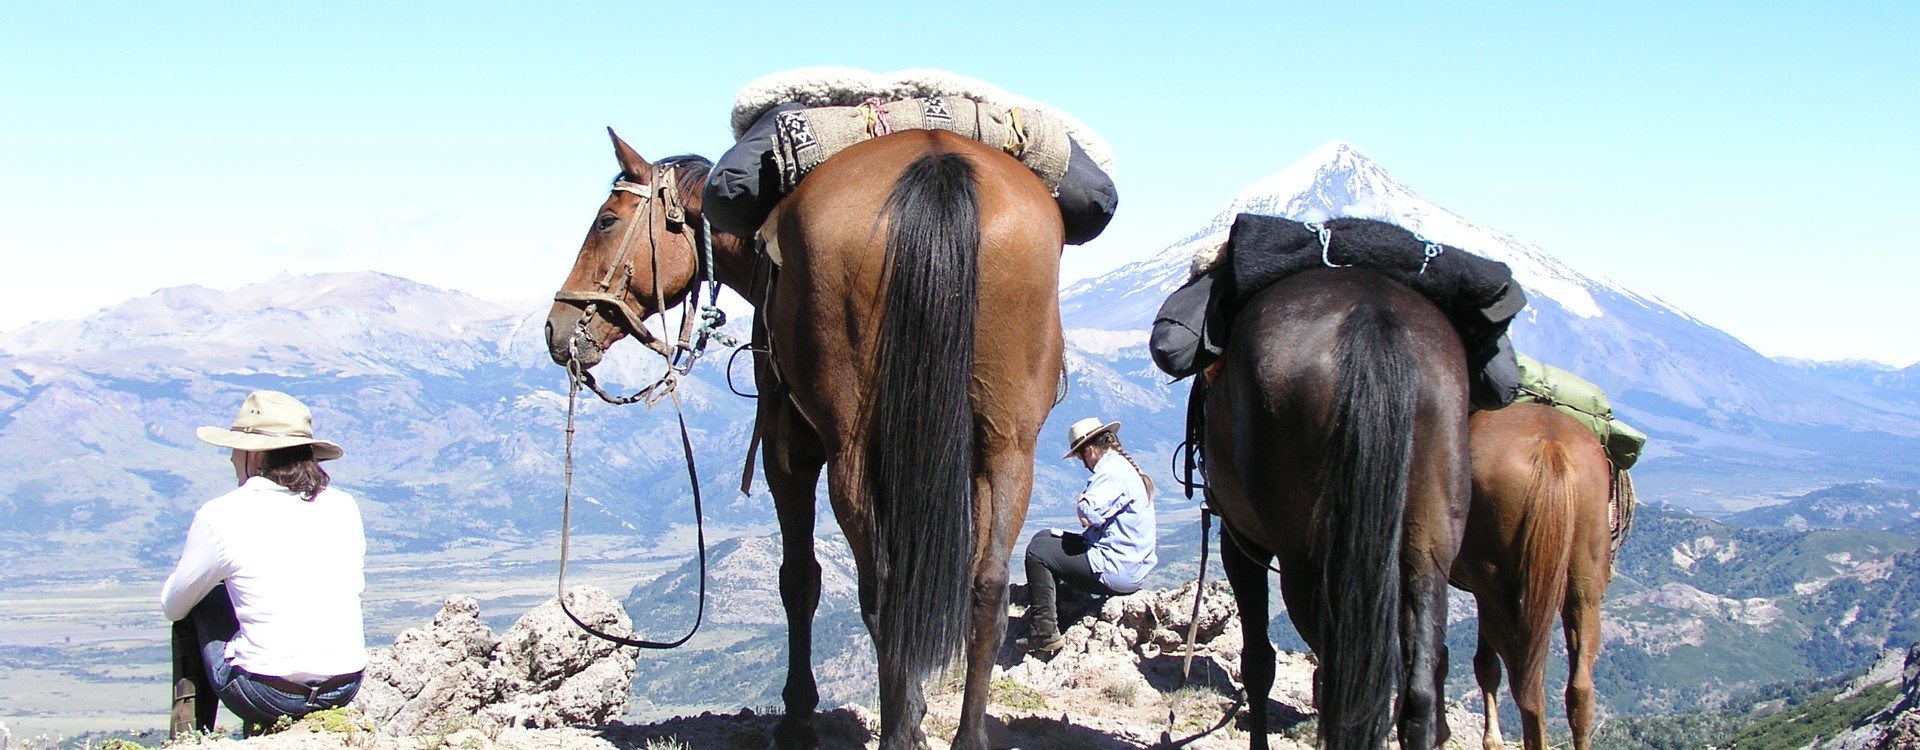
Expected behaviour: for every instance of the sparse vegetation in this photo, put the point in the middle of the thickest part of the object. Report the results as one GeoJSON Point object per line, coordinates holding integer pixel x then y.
{"type": "Point", "coordinates": [1017, 696]}
{"type": "Point", "coordinates": [1122, 691]}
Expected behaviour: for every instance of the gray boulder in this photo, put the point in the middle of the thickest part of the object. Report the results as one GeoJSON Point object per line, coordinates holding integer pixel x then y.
{"type": "Point", "coordinates": [543, 672]}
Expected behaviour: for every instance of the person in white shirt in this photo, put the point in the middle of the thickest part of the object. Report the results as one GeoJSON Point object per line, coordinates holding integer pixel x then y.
{"type": "Point", "coordinates": [266, 597]}
{"type": "Point", "coordinates": [1117, 547]}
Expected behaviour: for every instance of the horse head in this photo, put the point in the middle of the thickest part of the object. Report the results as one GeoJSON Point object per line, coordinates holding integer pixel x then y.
{"type": "Point", "coordinates": [639, 258]}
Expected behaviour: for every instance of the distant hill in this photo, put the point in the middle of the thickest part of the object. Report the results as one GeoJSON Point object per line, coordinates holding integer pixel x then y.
{"type": "Point", "coordinates": [447, 406]}
{"type": "Point", "coordinates": [1877, 506]}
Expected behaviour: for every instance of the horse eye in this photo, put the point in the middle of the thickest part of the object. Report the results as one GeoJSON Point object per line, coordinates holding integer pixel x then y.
{"type": "Point", "coordinates": [607, 221]}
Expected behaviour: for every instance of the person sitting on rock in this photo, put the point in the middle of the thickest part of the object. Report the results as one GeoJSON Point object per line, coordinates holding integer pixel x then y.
{"type": "Point", "coordinates": [1117, 548]}
{"type": "Point", "coordinates": [266, 597]}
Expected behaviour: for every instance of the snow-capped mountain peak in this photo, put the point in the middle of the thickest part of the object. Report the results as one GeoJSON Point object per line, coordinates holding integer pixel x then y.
{"type": "Point", "coordinates": [1338, 180]}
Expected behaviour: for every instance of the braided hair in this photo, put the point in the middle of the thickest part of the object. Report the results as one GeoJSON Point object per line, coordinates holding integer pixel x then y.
{"type": "Point", "coordinates": [1110, 440]}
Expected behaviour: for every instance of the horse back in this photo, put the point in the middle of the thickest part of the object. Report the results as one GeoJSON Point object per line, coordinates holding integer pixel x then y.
{"type": "Point", "coordinates": [833, 230]}
{"type": "Point", "coordinates": [1270, 417]}
{"type": "Point", "coordinates": [1510, 450]}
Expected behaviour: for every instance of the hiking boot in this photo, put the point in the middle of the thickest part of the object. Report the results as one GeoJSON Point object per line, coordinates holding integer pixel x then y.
{"type": "Point", "coordinates": [185, 698]}
{"type": "Point", "coordinates": [1041, 644]}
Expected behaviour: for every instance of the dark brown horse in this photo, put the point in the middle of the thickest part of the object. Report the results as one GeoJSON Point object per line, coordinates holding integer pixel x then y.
{"type": "Point", "coordinates": [914, 326]}
{"type": "Point", "coordinates": [1337, 443]}
{"type": "Point", "coordinates": [1538, 546]}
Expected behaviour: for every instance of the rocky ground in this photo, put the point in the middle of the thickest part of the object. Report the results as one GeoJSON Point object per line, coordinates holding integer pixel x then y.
{"type": "Point", "coordinates": [543, 685]}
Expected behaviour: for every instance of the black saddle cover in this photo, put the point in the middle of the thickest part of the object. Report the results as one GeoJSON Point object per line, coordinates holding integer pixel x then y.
{"type": "Point", "coordinates": [1477, 294]}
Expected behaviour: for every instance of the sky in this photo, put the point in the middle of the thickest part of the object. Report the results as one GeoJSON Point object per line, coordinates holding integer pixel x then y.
{"type": "Point", "coordinates": [1749, 163]}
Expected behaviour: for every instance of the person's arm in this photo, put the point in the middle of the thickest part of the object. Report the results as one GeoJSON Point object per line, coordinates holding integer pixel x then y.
{"type": "Point", "coordinates": [1101, 501]}
{"type": "Point", "coordinates": [198, 572]}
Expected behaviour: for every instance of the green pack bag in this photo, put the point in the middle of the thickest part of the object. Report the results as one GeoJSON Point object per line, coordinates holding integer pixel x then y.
{"type": "Point", "coordinates": [1584, 401]}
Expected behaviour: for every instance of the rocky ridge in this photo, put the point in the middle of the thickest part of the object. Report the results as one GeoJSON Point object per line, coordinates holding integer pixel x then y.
{"type": "Point", "coordinates": [545, 685]}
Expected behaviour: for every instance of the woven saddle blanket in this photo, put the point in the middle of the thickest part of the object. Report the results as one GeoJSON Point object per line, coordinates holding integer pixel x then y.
{"type": "Point", "coordinates": [839, 107]}
{"type": "Point", "coordinates": [847, 87]}
{"type": "Point", "coordinates": [804, 138]}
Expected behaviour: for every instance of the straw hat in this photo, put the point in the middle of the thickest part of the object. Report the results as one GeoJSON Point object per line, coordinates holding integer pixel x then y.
{"type": "Point", "coordinates": [270, 420]}
{"type": "Point", "coordinates": [1085, 430]}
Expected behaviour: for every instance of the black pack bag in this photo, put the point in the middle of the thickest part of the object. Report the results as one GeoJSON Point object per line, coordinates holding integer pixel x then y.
{"type": "Point", "coordinates": [1496, 375]}
{"type": "Point", "coordinates": [1179, 342]}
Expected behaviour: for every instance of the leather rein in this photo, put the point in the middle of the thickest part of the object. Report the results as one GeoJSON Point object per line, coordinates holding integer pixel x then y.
{"type": "Point", "coordinates": [680, 359]}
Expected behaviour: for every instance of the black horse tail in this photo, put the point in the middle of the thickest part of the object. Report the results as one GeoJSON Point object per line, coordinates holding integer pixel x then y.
{"type": "Point", "coordinates": [1546, 551]}
{"type": "Point", "coordinates": [1364, 480]}
{"type": "Point", "coordinates": [920, 448]}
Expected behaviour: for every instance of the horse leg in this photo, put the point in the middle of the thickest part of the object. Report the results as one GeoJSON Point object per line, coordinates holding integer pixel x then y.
{"type": "Point", "coordinates": [1529, 685]}
{"type": "Point", "coordinates": [902, 705]}
{"type": "Point", "coordinates": [1001, 493]}
{"type": "Point", "coordinates": [1486, 670]}
{"type": "Point", "coordinates": [1248, 575]}
{"type": "Point", "coordinates": [1423, 630]}
{"type": "Point", "coordinates": [793, 497]}
{"type": "Point", "coordinates": [1581, 616]}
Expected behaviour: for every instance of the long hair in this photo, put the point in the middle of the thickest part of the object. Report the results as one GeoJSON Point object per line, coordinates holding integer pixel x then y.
{"type": "Point", "coordinates": [295, 469]}
{"type": "Point", "coordinates": [1546, 554]}
{"type": "Point", "coordinates": [1110, 440]}
{"type": "Point", "coordinates": [1365, 476]}
{"type": "Point", "coordinates": [920, 449]}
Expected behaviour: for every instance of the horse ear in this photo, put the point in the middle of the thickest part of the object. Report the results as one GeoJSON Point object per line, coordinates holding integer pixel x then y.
{"type": "Point", "coordinates": [631, 165]}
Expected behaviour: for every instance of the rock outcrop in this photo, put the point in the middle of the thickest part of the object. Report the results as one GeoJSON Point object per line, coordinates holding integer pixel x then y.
{"type": "Point", "coordinates": [542, 672]}
{"type": "Point", "coordinates": [1895, 728]}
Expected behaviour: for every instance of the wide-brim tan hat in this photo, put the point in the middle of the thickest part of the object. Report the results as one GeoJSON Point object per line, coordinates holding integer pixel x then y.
{"type": "Point", "coordinates": [270, 420]}
{"type": "Point", "coordinates": [1085, 430]}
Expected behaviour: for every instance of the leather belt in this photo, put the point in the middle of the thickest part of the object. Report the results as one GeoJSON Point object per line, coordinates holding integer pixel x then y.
{"type": "Point", "coordinates": [290, 687]}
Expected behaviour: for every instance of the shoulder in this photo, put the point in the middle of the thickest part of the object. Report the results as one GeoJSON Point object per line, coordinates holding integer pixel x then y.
{"type": "Point", "coordinates": [1114, 467]}
{"type": "Point", "coordinates": [234, 500]}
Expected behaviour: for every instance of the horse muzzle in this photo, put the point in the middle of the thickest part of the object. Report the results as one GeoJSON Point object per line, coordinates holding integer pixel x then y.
{"type": "Point", "coordinates": [572, 343]}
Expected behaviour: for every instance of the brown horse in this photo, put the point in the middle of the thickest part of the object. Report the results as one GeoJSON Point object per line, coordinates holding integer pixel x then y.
{"type": "Point", "coordinates": [914, 330]}
{"type": "Point", "coordinates": [1337, 442]}
{"type": "Point", "coordinates": [1538, 546]}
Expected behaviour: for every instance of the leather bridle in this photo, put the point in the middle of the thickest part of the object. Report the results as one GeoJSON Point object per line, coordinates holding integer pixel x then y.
{"type": "Point", "coordinates": [613, 300]}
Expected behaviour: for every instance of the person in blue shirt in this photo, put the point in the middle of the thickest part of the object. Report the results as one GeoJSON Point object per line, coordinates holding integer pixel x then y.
{"type": "Point", "coordinates": [1114, 551]}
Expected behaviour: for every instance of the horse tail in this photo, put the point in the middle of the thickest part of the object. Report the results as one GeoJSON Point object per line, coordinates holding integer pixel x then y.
{"type": "Point", "coordinates": [1365, 476]}
{"type": "Point", "coordinates": [920, 448]}
{"type": "Point", "coordinates": [1546, 552]}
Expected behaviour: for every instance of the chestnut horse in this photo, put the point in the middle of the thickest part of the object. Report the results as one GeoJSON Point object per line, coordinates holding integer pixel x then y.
{"type": "Point", "coordinates": [914, 331]}
{"type": "Point", "coordinates": [1538, 545]}
{"type": "Point", "coordinates": [1336, 442]}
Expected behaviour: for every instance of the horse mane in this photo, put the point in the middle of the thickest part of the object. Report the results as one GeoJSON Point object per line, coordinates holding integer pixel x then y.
{"type": "Point", "coordinates": [691, 169]}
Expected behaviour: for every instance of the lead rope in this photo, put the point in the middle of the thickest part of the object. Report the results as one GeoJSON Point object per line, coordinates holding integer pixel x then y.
{"type": "Point", "coordinates": [574, 379]}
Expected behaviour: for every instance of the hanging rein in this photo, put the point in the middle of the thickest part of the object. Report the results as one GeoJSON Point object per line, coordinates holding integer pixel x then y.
{"type": "Point", "coordinates": [681, 357]}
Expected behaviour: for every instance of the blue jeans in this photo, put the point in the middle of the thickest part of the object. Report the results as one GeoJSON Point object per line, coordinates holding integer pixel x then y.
{"type": "Point", "coordinates": [249, 698]}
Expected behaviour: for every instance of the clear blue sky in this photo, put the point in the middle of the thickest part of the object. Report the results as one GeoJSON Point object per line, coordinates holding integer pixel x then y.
{"type": "Point", "coordinates": [1749, 163]}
